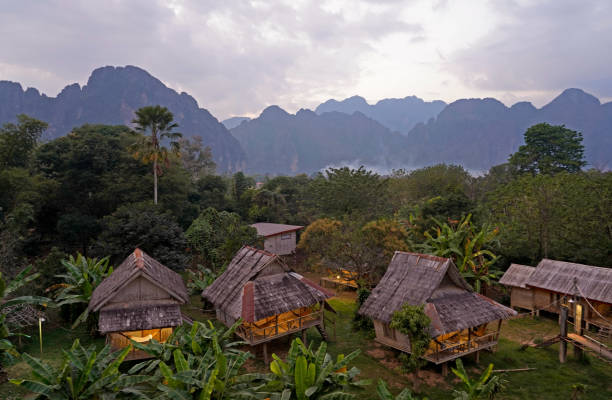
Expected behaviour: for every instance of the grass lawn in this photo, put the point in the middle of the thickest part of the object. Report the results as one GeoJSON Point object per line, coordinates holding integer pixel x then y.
{"type": "Point", "coordinates": [549, 380]}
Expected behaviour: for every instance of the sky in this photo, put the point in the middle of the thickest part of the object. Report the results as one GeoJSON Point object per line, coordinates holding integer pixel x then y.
{"type": "Point", "coordinates": [238, 57]}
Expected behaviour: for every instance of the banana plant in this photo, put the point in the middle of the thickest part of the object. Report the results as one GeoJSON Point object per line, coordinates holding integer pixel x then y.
{"type": "Point", "coordinates": [385, 394]}
{"type": "Point", "coordinates": [84, 374]}
{"type": "Point", "coordinates": [467, 247]}
{"type": "Point", "coordinates": [82, 276]}
{"type": "Point", "coordinates": [487, 386]}
{"type": "Point", "coordinates": [200, 279]}
{"type": "Point", "coordinates": [308, 374]}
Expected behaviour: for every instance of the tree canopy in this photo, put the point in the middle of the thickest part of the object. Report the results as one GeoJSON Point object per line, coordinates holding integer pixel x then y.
{"type": "Point", "coordinates": [549, 149]}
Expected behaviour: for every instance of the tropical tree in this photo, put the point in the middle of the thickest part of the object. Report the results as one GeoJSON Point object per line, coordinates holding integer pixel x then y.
{"type": "Point", "coordinates": [414, 323]}
{"type": "Point", "coordinates": [467, 246]}
{"type": "Point", "coordinates": [83, 374]}
{"type": "Point", "coordinates": [199, 278]}
{"type": "Point", "coordinates": [82, 275]}
{"type": "Point", "coordinates": [7, 349]}
{"type": "Point", "coordinates": [548, 150]}
{"type": "Point", "coordinates": [487, 386]}
{"type": "Point", "coordinates": [312, 375]}
{"type": "Point", "coordinates": [156, 123]}
{"type": "Point", "coordinates": [18, 140]}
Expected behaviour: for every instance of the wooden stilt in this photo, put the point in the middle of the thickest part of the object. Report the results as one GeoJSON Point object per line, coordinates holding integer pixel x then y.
{"type": "Point", "coordinates": [477, 357]}
{"type": "Point", "coordinates": [444, 369]}
{"type": "Point", "coordinates": [265, 352]}
{"type": "Point", "coordinates": [304, 337]}
{"type": "Point", "coordinates": [563, 334]}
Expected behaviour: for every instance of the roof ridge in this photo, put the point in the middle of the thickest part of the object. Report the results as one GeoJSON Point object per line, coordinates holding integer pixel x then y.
{"type": "Point", "coordinates": [139, 260]}
{"type": "Point", "coordinates": [260, 251]}
{"type": "Point", "coordinates": [428, 256]}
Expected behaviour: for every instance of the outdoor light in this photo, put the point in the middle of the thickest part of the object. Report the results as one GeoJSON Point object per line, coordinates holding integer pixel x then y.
{"type": "Point", "coordinates": [40, 321]}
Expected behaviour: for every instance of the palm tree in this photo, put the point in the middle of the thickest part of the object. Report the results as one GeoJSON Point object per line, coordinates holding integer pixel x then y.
{"type": "Point", "coordinates": [156, 123]}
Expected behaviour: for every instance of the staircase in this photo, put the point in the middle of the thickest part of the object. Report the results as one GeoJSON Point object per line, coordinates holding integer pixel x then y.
{"type": "Point", "coordinates": [323, 332]}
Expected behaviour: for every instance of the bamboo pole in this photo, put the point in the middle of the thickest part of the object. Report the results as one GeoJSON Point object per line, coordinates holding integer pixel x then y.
{"type": "Point", "coordinates": [563, 334]}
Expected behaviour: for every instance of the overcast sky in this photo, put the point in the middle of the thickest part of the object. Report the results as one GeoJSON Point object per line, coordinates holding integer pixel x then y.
{"type": "Point", "coordinates": [237, 57]}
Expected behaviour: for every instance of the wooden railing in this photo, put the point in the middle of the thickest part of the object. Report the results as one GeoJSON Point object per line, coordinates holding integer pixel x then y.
{"type": "Point", "coordinates": [445, 351]}
{"type": "Point", "coordinates": [253, 334]}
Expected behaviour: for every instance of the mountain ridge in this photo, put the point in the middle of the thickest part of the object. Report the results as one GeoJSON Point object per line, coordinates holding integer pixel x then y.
{"type": "Point", "coordinates": [110, 96]}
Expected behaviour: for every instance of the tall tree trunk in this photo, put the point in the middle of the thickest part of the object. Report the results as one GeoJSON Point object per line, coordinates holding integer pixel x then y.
{"type": "Point", "coordinates": [155, 181]}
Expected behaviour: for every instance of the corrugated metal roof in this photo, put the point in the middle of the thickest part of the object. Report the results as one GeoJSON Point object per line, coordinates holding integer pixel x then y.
{"type": "Point", "coordinates": [269, 229]}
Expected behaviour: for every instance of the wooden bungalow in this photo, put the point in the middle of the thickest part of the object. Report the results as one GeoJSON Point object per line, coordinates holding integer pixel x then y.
{"type": "Point", "coordinates": [279, 239]}
{"type": "Point", "coordinates": [552, 281]}
{"type": "Point", "coordinates": [462, 321]}
{"type": "Point", "coordinates": [139, 301]}
{"type": "Point", "coordinates": [516, 278]}
{"type": "Point", "coordinates": [272, 300]}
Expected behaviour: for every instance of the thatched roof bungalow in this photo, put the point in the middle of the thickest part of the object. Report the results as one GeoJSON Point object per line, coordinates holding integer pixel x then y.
{"type": "Point", "coordinates": [545, 286]}
{"type": "Point", "coordinates": [279, 239]}
{"type": "Point", "coordinates": [462, 321]}
{"type": "Point", "coordinates": [272, 300]}
{"type": "Point", "coordinates": [139, 301]}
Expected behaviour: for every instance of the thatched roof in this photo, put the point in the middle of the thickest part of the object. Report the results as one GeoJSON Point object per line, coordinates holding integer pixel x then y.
{"type": "Point", "coordinates": [594, 283]}
{"type": "Point", "coordinates": [139, 264]}
{"type": "Point", "coordinates": [267, 229]}
{"type": "Point", "coordinates": [436, 283]}
{"type": "Point", "coordinates": [257, 285]}
{"type": "Point", "coordinates": [517, 275]}
{"type": "Point", "coordinates": [140, 315]}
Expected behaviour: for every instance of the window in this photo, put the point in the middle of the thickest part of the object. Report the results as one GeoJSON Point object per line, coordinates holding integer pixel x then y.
{"type": "Point", "coordinates": [285, 236]}
{"type": "Point", "coordinates": [388, 331]}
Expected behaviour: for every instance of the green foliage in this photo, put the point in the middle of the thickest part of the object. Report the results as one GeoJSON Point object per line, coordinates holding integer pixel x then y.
{"type": "Point", "coordinates": [216, 236]}
{"type": "Point", "coordinates": [7, 290]}
{"type": "Point", "coordinates": [359, 193]}
{"type": "Point", "coordinates": [308, 374]}
{"type": "Point", "coordinates": [157, 124]}
{"type": "Point", "coordinates": [549, 149]}
{"type": "Point", "coordinates": [80, 278]}
{"type": "Point", "coordinates": [199, 279]}
{"type": "Point", "coordinates": [364, 250]}
{"type": "Point", "coordinates": [18, 141]}
{"type": "Point", "coordinates": [560, 217]}
{"type": "Point", "coordinates": [384, 394]}
{"type": "Point", "coordinates": [83, 374]}
{"type": "Point", "coordinates": [414, 323]}
{"type": "Point", "coordinates": [143, 226]}
{"type": "Point", "coordinates": [197, 159]}
{"type": "Point", "coordinates": [487, 386]}
{"type": "Point", "coordinates": [362, 322]}
{"type": "Point", "coordinates": [199, 362]}
{"type": "Point", "coordinates": [467, 246]}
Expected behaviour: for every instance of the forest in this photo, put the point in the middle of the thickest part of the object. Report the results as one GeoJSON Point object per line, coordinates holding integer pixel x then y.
{"type": "Point", "coordinates": [102, 191]}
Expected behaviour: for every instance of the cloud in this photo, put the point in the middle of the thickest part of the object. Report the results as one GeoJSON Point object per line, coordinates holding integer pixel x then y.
{"type": "Point", "coordinates": [234, 57]}
{"type": "Point", "coordinates": [541, 47]}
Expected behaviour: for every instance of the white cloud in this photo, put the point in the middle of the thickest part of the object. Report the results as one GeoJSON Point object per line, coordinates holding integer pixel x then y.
{"type": "Point", "coordinates": [236, 57]}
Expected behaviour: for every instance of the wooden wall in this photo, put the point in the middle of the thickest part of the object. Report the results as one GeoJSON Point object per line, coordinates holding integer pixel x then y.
{"type": "Point", "coordinates": [522, 298]}
{"type": "Point", "coordinates": [391, 337]}
{"type": "Point", "coordinates": [140, 289]}
{"type": "Point", "coordinates": [281, 244]}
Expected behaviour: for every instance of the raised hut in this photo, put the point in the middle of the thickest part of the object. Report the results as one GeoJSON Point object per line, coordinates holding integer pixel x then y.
{"type": "Point", "coordinates": [272, 300]}
{"type": "Point", "coordinates": [516, 278]}
{"type": "Point", "coordinates": [139, 301]}
{"type": "Point", "coordinates": [462, 321]}
{"type": "Point", "coordinates": [279, 239]}
{"type": "Point", "coordinates": [588, 287]}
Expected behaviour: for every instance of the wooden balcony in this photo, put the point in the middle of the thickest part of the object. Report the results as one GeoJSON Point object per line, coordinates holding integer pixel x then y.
{"type": "Point", "coordinates": [275, 327]}
{"type": "Point", "coordinates": [459, 346]}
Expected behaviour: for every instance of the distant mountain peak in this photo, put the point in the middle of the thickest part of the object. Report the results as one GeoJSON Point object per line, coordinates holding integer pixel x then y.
{"type": "Point", "coordinates": [273, 111]}
{"type": "Point", "coordinates": [398, 115]}
{"type": "Point", "coordinates": [574, 96]}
